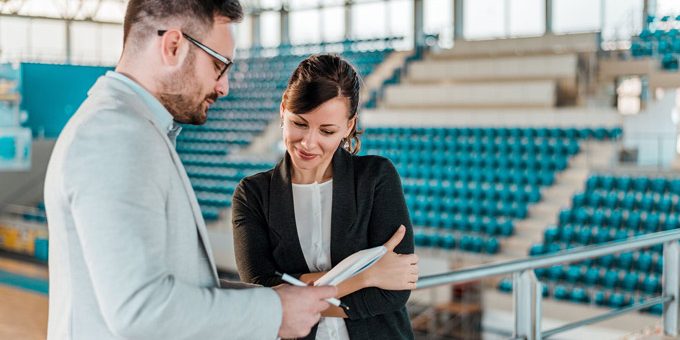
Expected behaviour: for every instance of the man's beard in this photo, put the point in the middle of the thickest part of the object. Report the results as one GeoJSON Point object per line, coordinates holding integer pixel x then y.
{"type": "Point", "coordinates": [181, 95]}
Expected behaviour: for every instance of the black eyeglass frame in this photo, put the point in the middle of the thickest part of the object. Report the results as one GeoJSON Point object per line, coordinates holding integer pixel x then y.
{"type": "Point", "coordinates": [224, 60]}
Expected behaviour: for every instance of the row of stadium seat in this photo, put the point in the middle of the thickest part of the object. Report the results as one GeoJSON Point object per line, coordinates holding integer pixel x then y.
{"type": "Point", "coordinates": [478, 169]}
{"type": "Point", "coordinates": [255, 106]}
{"type": "Point", "coordinates": [660, 34]}
{"type": "Point", "coordinates": [600, 297]}
{"type": "Point", "coordinates": [633, 220]}
{"type": "Point", "coordinates": [647, 202]}
{"type": "Point", "coordinates": [450, 241]}
{"type": "Point", "coordinates": [448, 149]}
{"type": "Point", "coordinates": [584, 235]}
{"type": "Point", "coordinates": [223, 174]}
{"type": "Point", "coordinates": [446, 195]}
{"type": "Point", "coordinates": [638, 184]}
{"type": "Point", "coordinates": [662, 19]}
{"type": "Point", "coordinates": [602, 277]}
{"type": "Point", "coordinates": [287, 59]}
{"type": "Point", "coordinates": [216, 137]}
{"type": "Point", "coordinates": [281, 72]}
{"type": "Point", "coordinates": [650, 260]}
{"type": "Point", "coordinates": [442, 215]}
{"type": "Point", "coordinates": [468, 221]}
{"type": "Point", "coordinates": [245, 166]}
{"type": "Point", "coordinates": [490, 132]}
{"type": "Point", "coordinates": [222, 127]}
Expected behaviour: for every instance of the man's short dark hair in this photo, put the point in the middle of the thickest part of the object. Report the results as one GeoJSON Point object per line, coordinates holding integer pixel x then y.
{"type": "Point", "coordinates": [195, 17]}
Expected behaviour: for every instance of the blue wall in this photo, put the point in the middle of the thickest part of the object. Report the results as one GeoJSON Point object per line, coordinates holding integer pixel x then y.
{"type": "Point", "coordinates": [51, 94]}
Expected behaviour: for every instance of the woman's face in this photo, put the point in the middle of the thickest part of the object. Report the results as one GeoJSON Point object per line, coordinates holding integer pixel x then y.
{"type": "Point", "coordinates": [312, 138]}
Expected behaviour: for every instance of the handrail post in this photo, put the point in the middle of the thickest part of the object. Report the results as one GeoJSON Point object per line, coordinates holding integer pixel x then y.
{"type": "Point", "coordinates": [671, 287]}
{"type": "Point", "coordinates": [527, 294]}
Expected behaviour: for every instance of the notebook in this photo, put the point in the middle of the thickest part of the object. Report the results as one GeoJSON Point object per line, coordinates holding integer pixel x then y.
{"type": "Point", "coordinates": [351, 266]}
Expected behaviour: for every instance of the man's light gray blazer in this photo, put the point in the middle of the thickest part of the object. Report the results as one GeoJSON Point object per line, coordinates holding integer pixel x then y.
{"type": "Point", "coordinates": [129, 252]}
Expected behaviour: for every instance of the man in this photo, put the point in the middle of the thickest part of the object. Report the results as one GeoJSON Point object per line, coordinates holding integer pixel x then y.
{"type": "Point", "coordinates": [129, 255]}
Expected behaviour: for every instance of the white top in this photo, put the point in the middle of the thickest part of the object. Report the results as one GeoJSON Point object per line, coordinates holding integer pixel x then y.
{"type": "Point", "coordinates": [313, 204]}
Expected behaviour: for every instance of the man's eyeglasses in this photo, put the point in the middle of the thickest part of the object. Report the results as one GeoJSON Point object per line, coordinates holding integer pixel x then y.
{"type": "Point", "coordinates": [222, 59]}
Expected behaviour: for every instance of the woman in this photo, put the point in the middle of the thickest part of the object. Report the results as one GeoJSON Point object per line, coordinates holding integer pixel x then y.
{"type": "Point", "coordinates": [322, 203]}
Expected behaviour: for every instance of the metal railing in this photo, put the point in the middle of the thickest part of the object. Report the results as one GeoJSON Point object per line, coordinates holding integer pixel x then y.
{"type": "Point", "coordinates": [527, 290]}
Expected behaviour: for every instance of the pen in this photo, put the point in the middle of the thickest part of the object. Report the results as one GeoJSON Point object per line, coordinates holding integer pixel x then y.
{"type": "Point", "coordinates": [296, 282]}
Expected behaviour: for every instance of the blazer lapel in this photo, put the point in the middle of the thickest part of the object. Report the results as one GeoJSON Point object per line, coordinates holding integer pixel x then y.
{"type": "Point", "coordinates": [139, 105]}
{"type": "Point", "coordinates": [344, 211]}
{"type": "Point", "coordinates": [282, 214]}
{"type": "Point", "coordinates": [198, 216]}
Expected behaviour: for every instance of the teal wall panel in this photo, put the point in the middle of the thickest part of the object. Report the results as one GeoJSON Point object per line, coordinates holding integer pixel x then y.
{"type": "Point", "coordinates": [51, 94]}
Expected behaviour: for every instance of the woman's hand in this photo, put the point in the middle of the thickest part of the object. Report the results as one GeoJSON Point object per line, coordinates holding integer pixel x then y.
{"type": "Point", "coordinates": [393, 271]}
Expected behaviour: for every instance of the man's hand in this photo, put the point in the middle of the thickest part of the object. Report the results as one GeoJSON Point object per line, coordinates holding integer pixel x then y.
{"type": "Point", "coordinates": [302, 307]}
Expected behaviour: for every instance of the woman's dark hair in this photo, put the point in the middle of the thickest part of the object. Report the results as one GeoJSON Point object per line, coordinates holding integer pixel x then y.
{"type": "Point", "coordinates": [320, 78]}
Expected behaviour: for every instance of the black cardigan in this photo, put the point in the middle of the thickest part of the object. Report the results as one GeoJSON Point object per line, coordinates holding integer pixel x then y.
{"type": "Point", "coordinates": [368, 206]}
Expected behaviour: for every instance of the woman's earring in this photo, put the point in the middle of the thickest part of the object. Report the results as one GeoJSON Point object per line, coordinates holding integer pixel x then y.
{"type": "Point", "coordinates": [346, 143]}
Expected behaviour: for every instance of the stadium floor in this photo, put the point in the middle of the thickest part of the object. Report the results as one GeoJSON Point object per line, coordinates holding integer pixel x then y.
{"type": "Point", "coordinates": [23, 311]}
